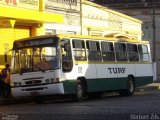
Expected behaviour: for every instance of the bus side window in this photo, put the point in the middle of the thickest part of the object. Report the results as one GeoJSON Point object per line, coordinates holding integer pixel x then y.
{"type": "Point", "coordinates": [67, 62]}
{"type": "Point", "coordinates": [143, 52]}
{"type": "Point", "coordinates": [79, 50]}
{"type": "Point", "coordinates": [94, 53]}
{"type": "Point", "coordinates": [120, 49]}
{"type": "Point", "coordinates": [107, 51]}
{"type": "Point", "coordinates": [132, 52]}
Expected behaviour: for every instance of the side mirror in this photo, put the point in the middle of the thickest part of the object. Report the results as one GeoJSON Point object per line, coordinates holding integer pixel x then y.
{"type": "Point", "coordinates": [5, 58]}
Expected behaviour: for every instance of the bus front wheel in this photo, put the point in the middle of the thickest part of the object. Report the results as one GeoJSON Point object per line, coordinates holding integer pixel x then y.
{"type": "Point", "coordinates": [79, 91]}
{"type": "Point", "coordinates": [130, 88]}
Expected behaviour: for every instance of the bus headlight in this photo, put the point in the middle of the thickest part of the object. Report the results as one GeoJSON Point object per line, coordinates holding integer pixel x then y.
{"type": "Point", "coordinates": [15, 84]}
{"type": "Point", "coordinates": [52, 80]}
{"type": "Point", "coordinates": [19, 83]}
{"type": "Point", "coordinates": [47, 80]}
{"type": "Point", "coordinates": [56, 80]}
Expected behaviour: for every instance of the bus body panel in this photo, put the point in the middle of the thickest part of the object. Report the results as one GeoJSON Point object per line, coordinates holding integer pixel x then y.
{"type": "Point", "coordinates": [44, 90]}
{"type": "Point", "coordinates": [144, 74]}
{"type": "Point", "coordinates": [99, 75]}
{"type": "Point", "coordinates": [107, 80]}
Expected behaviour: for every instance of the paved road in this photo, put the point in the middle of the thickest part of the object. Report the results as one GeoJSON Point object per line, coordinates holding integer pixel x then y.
{"type": "Point", "coordinates": [141, 106]}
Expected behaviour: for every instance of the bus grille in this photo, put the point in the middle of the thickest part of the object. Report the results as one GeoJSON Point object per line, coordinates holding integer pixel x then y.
{"type": "Point", "coordinates": [33, 82]}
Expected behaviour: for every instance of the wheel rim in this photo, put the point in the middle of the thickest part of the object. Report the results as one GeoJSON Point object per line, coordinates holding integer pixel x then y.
{"type": "Point", "coordinates": [79, 91]}
{"type": "Point", "coordinates": [130, 85]}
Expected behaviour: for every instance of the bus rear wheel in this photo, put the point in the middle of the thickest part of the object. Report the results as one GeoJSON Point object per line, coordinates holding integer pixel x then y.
{"type": "Point", "coordinates": [79, 96]}
{"type": "Point", "coordinates": [130, 88]}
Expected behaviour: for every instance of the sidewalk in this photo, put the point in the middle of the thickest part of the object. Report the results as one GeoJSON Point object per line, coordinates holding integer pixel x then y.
{"type": "Point", "coordinates": [153, 86]}
{"type": "Point", "coordinates": [149, 87]}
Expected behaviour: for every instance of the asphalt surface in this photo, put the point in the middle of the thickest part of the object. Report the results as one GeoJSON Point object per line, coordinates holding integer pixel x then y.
{"type": "Point", "coordinates": [143, 105]}
{"type": "Point", "coordinates": [150, 87]}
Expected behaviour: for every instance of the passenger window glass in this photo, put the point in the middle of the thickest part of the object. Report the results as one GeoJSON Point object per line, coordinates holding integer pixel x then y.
{"type": "Point", "coordinates": [93, 50]}
{"type": "Point", "coordinates": [79, 50]}
{"type": "Point", "coordinates": [143, 52]}
{"type": "Point", "coordinates": [132, 52]}
{"type": "Point", "coordinates": [107, 51]}
{"type": "Point", "coordinates": [120, 49]}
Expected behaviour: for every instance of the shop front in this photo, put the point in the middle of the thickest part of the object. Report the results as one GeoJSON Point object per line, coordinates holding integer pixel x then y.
{"type": "Point", "coordinates": [21, 19]}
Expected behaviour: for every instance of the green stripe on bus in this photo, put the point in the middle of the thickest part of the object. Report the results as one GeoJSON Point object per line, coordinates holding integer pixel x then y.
{"type": "Point", "coordinates": [106, 84]}
{"type": "Point", "coordinates": [69, 86]}
{"type": "Point", "coordinates": [141, 81]}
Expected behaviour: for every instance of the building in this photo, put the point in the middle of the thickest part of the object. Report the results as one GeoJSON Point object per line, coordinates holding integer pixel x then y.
{"type": "Point", "coordinates": [81, 19]}
{"type": "Point", "coordinates": [30, 18]}
{"type": "Point", "coordinates": [101, 21]}
{"type": "Point", "coordinates": [70, 9]}
{"type": "Point", "coordinates": [149, 12]}
{"type": "Point", "coordinates": [19, 19]}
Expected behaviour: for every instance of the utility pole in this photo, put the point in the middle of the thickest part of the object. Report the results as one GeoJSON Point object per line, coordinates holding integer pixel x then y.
{"type": "Point", "coordinates": [154, 41]}
{"type": "Point", "coordinates": [81, 24]}
{"type": "Point", "coordinates": [154, 31]}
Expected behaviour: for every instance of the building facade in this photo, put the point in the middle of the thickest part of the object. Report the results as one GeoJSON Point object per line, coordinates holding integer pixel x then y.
{"type": "Point", "coordinates": [20, 19]}
{"type": "Point", "coordinates": [38, 17]}
{"type": "Point", "coordinates": [101, 21]}
{"type": "Point", "coordinates": [70, 9]}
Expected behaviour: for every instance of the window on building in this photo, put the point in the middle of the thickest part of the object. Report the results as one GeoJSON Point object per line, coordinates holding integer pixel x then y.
{"type": "Point", "coordinates": [71, 32]}
{"type": "Point", "coordinates": [50, 31]}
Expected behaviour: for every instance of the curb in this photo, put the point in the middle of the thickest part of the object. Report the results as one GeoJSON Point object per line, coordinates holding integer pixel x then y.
{"type": "Point", "coordinates": [153, 86]}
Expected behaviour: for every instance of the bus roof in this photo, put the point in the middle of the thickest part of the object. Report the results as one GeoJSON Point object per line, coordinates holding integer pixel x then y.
{"type": "Point", "coordinates": [121, 39]}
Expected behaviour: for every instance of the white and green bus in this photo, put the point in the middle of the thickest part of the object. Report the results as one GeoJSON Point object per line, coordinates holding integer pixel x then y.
{"type": "Point", "coordinates": [78, 65]}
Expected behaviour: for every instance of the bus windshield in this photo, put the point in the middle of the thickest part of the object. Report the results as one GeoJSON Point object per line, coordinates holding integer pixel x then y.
{"type": "Point", "coordinates": [38, 58]}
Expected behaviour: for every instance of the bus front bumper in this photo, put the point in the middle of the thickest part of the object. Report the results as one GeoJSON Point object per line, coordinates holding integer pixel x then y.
{"type": "Point", "coordinates": [43, 90]}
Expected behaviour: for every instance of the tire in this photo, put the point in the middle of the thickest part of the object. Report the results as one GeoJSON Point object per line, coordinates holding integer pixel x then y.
{"type": "Point", "coordinates": [130, 88]}
{"type": "Point", "coordinates": [79, 96]}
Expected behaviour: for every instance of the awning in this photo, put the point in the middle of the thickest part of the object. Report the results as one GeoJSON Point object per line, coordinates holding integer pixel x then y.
{"type": "Point", "coordinates": [30, 16]}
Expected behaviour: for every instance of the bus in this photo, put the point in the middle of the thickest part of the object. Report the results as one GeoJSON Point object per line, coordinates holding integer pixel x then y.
{"type": "Point", "coordinates": [78, 65]}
